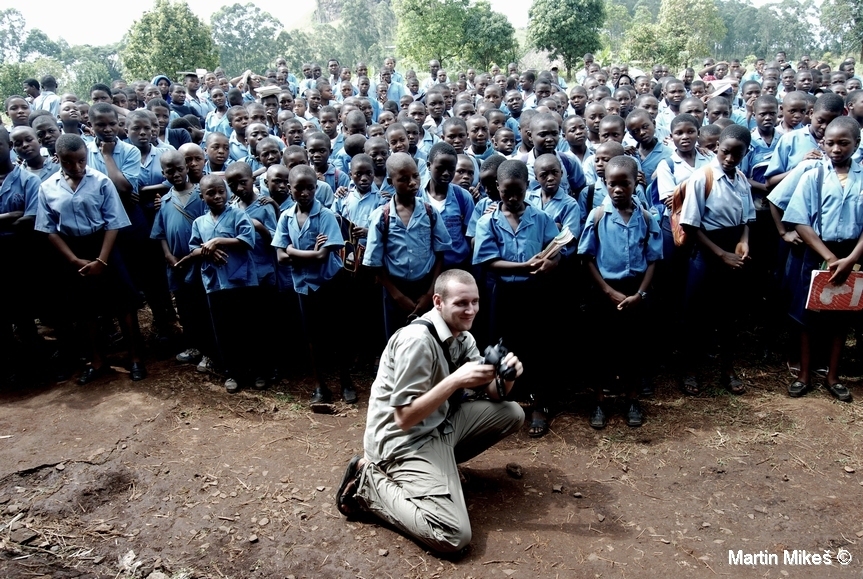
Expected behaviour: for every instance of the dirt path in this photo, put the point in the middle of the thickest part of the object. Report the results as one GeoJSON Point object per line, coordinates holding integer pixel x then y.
{"type": "Point", "coordinates": [185, 480]}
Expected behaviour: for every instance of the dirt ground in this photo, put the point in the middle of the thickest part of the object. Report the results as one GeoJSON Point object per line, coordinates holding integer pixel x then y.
{"type": "Point", "coordinates": [172, 477]}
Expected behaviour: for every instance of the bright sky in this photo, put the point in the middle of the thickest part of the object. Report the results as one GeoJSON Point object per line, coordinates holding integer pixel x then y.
{"type": "Point", "coordinates": [77, 26]}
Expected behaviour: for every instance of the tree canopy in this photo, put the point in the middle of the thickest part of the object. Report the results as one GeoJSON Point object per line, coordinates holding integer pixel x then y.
{"type": "Point", "coordinates": [246, 37]}
{"type": "Point", "coordinates": [167, 39]}
{"type": "Point", "coordinates": [567, 29]}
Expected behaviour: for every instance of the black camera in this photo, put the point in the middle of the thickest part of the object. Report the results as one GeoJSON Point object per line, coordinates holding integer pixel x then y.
{"type": "Point", "coordinates": [494, 356]}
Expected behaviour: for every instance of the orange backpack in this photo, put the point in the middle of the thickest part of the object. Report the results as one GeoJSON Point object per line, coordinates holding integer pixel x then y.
{"type": "Point", "coordinates": [679, 232]}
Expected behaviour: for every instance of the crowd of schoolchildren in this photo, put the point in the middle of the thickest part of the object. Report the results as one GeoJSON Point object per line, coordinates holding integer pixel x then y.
{"type": "Point", "coordinates": [282, 222]}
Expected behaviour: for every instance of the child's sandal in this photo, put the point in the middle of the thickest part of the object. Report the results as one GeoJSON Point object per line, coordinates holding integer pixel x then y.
{"type": "Point", "coordinates": [690, 386]}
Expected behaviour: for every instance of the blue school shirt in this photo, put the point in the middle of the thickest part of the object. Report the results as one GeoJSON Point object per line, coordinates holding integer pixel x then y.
{"type": "Point", "coordinates": [48, 169]}
{"type": "Point", "coordinates": [126, 157]}
{"type": "Point", "coordinates": [239, 271]}
{"type": "Point", "coordinates": [427, 142]}
{"type": "Point", "coordinates": [19, 192]}
{"type": "Point", "coordinates": [600, 193]}
{"type": "Point", "coordinates": [759, 152]}
{"type": "Point", "coordinates": [478, 211]}
{"type": "Point", "coordinates": [562, 208]}
{"type": "Point", "coordinates": [310, 275]}
{"type": "Point", "coordinates": [252, 162]}
{"type": "Point", "coordinates": [835, 212]}
{"type": "Point", "coordinates": [457, 209]}
{"type": "Point", "coordinates": [396, 91]}
{"type": "Point", "coordinates": [571, 181]}
{"type": "Point", "coordinates": [95, 205]}
{"type": "Point", "coordinates": [151, 168]}
{"type": "Point", "coordinates": [208, 169]}
{"type": "Point", "coordinates": [341, 160]}
{"type": "Point", "coordinates": [324, 194]}
{"type": "Point", "coordinates": [214, 124]}
{"type": "Point", "coordinates": [729, 204]}
{"type": "Point", "coordinates": [782, 193]}
{"type": "Point", "coordinates": [622, 250]}
{"type": "Point", "coordinates": [173, 223]}
{"type": "Point", "coordinates": [262, 253]}
{"type": "Point", "coordinates": [337, 145]}
{"type": "Point", "coordinates": [202, 106]}
{"type": "Point", "coordinates": [407, 252]}
{"type": "Point", "coordinates": [790, 150]}
{"type": "Point", "coordinates": [495, 239]}
{"type": "Point", "coordinates": [357, 208]}
{"type": "Point", "coordinates": [336, 178]}
{"type": "Point", "coordinates": [651, 162]}
{"type": "Point", "coordinates": [670, 175]}
{"type": "Point", "coordinates": [238, 150]}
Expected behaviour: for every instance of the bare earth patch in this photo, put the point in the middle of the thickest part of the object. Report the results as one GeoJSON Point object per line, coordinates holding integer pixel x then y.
{"type": "Point", "coordinates": [172, 477]}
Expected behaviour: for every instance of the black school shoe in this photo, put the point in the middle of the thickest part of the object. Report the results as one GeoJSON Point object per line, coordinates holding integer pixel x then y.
{"type": "Point", "coordinates": [90, 374]}
{"type": "Point", "coordinates": [321, 395]}
{"type": "Point", "coordinates": [635, 416]}
{"type": "Point", "coordinates": [598, 419]}
{"type": "Point", "coordinates": [137, 372]}
{"type": "Point", "coordinates": [839, 391]}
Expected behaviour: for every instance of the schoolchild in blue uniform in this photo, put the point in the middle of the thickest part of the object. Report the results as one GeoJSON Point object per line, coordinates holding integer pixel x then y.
{"type": "Point", "coordinates": [491, 196]}
{"type": "Point", "coordinates": [239, 119]}
{"type": "Point", "coordinates": [795, 153]}
{"type": "Point", "coordinates": [263, 217]}
{"type": "Point", "coordinates": [269, 154]}
{"type": "Point", "coordinates": [406, 242]}
{"type": "Point", "coordinates": [507, 244]}
{"type": "Point", "coordinates": [26, 144]}
{"type": "Point", "coordinates": [827, 212]}
{"type": "Point", "coordinates": [143, 256]}
{"type": "Point", "coordinates": [718, 226]}
{"type": "Point", "coordinates": [218, 149]}
{"type": "Point", "coordinates": [685, 159]}
{"type": "Point", "coordinates": [255, 133]}
{"type": "Point", "coordinates": [293, 156]}
{"type": "Point", "coordinates": [308, 236]}
{"type": "Point", "coordinates": [222, 241]}
{"type": "Point", "coordinates": [356, 207]}
{"type": "Point", "coordinates": [651, 152]}
{"type": "Point", "coordinates": [454, 204]}
{"type": "Point", "coordinates": [802, 144]}
{"type": "Point", "coordinates": [764, 241]}
{"type": "Point", "coordinates": [318, 147]}
{"type": "Point", "coordinates": [21, 293]}
{"type": "Point", "coordinates": [172, 228]}
{"type": "Point", "coordinates": [545, 135]}
{"type": "Point", "coordinates": [217, 120]}
{"type": "Point", "coordinates": [622, 243]}
{"type": "Point", "coordinates": [81, 212]}
{"type": "Point", "coordinates": [552, 199]}
{"type": "Point", "coordinates": [287, 312]}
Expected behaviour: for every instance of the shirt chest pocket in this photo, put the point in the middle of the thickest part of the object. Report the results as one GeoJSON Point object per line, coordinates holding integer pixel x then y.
{"type": "Point", "coordinates": [455, 226]}
{"type": "Point", "coordinates": [419, 241]}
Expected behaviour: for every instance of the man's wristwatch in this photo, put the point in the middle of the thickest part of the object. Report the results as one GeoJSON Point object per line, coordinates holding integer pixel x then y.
{"type": "Point", "coordinates": [642, 294]}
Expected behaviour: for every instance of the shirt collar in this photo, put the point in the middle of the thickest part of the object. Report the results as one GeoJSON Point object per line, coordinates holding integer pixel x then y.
{"type": "Point", "coordinates": [443, 331]}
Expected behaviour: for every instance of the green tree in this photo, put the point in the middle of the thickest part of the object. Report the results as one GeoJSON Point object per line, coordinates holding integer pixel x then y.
{"type": "Point", "coordinates": [246, 38]}
{"type": "Point", "coordinates": [430, 29]}
{"type": "Point", "coordinates": [359, 35]}
{"type": "Point", "coordinates": [617, 22]}
{"type": "Point", "coordinates": [566, 28]}
{"type": "Point", "coordinates": [11, 35]}
{"type": "Point", "coordinates": [688, 29]}
{"type": "Point", "coordinates": [642, 43]}
{"type": "Point", "coordinates": [842, 21]}
{"type": "Point", "coordinates": [488, 37]}
{"type": "Point", "coordinates": [167, 39]}
{"type": "Point", "coordinates": [13, 74]}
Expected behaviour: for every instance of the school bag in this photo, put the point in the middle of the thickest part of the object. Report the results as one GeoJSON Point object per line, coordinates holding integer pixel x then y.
{"type": "Point", "coordinates": [677, 230]}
